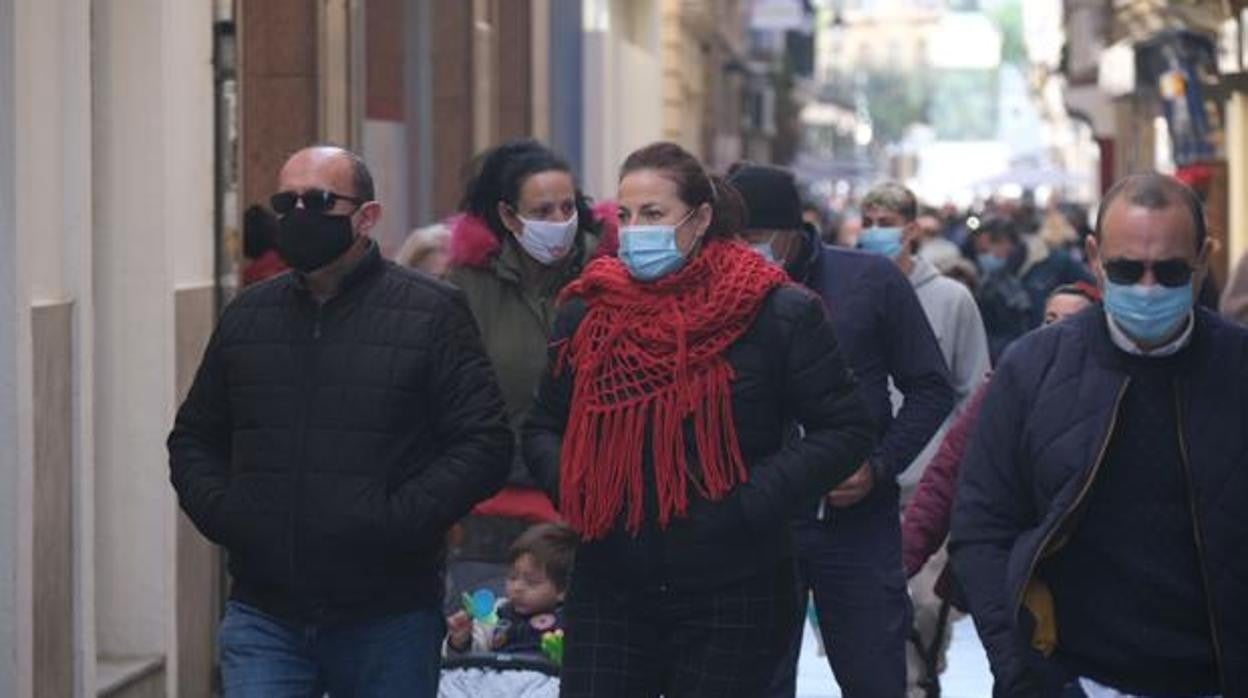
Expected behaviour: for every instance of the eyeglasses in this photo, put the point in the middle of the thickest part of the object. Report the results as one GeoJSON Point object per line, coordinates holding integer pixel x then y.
{"type": "Point", "coordinates": [314, 200]}
{"type": "Point", "coordinates": [1168, 272]}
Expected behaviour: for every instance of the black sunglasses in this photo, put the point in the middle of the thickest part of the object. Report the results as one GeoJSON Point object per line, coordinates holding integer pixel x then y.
{"type": "Point", "coordinates": [314, 200]}
{"type": "Point", "coordinates": [1168, 272]}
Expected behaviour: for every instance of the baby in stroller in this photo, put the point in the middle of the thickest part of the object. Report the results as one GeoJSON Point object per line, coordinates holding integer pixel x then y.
{"type": "Point", "coordinates": [490, 646]}
{"type": "Point", "coordinates": [540, 564]}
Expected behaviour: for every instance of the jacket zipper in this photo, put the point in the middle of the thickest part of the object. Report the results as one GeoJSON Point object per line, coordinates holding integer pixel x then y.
{"type": "Point", "coordinates": [1074, 506]}
{"type": "Point", "coordinates": [1196, 533]}
{"type": "Point", "coordinates": [301, 445]}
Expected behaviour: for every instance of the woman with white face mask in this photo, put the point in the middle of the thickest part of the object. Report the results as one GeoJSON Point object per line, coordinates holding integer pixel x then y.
{"type": "Point", "coordinates": [666, 429]}
{"type": "Point", "coordinates": [523, 233]}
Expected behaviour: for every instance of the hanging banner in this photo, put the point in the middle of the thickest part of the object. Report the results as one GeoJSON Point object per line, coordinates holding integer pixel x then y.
{"type": "Point", "coordinates": [1178, 65]}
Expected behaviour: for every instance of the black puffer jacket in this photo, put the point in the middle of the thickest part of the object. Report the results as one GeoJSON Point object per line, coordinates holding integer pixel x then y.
{"type": "Point", "coordinates": [329, 447]}
{"type": "Point", "coordinates": [789, 370]}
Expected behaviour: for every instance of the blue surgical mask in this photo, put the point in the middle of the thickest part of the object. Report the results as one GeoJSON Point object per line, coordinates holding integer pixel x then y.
{"type": "Point", "coordinates": [1148, 314]}
{"type": "Point", "coordinates": [880, 240]}
{"type": "Point", "coordinates": [765, 249]}
{"type": "Point", "coordinates": [649, 251]}
{"type": "Point", "coordinates": [990, 263]}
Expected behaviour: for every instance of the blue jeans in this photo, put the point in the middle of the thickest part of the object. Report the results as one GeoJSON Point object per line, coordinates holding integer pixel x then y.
{"type": "Point", "coordinates": [389, 657]}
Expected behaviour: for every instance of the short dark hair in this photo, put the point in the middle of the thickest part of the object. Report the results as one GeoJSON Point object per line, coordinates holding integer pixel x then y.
{"type": "Point", "coordinates": [999, 228]}
{"type": "Point", "coordinates": [553, 547]}
{"type": "Point", "coordinates": [1155, 191]}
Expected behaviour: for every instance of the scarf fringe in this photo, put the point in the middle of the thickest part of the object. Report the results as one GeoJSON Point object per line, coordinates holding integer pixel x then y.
{"type": "Point", "coordinates": [646, 368]}
{"type": "Point", "coordinates": [611, 441]}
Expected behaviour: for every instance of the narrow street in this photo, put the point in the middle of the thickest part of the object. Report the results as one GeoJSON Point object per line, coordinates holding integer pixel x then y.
{"type": "Point", "coordinates": [387, 347]}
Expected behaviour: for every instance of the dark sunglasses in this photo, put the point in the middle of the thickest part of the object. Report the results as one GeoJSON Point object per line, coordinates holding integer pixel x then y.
{"type": "Point", "coordinates": [314, 200]}
{"type": "Point", "coordinates": [1168, 272]}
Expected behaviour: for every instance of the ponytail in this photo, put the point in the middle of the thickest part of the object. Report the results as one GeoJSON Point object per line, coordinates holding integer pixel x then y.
{"type": "Point", "coordinates": [729, 212]}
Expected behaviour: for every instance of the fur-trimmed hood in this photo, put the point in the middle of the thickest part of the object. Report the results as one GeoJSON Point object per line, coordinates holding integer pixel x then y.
{"type": "Point", "coordinates": [473, 244]}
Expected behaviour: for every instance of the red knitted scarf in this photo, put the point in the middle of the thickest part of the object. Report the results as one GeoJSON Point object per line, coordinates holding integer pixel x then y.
{"type": "Point", "coordinates": [652, 355]}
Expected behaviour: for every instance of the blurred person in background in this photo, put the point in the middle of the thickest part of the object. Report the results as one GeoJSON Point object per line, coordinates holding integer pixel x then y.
{"type": "Point", "coordinates": [849, 230]}
{"type": "Point", "coordinates": [1078, 217]}
{"type": "Point", "coordinates": [1234, 303]}
{"type": "Point", "coordinates": [954, 224]}
{"type": "Point", "coordinates": [427, 249]}
{"type": "Point", "coordinates": [1048, 263]}
{"type": "Point", "coordinates": [832, 231]}
{"type": "Point", "coordinates": [260, 245]}
{"type": "Point", "coordinates": [932, 244]}
{"type": "Point", "coordinates": [813, 216]}
{"type": "Point", "coordinates": [965, 272]}
{"type": "Point", "coordinates": [1004, 302]}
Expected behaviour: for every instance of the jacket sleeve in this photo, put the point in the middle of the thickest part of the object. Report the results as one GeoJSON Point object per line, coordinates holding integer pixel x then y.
{"type": "Point", "coordinates": [470, 425]}
{"type": "Point", "coordinates": [543, 431]}
{"type": "Point", "coordinates": [926, 522]}
{"type": "Point", "coordinates": [820, 394]}
{"type": "Point", "coordinates": [991, 510]}
{"type": "Point", "coordinates": [918, 370]}
{"type": "Point", "coordinates": [200, 444]}
{"type": "Point", "coordinates": [970, 350]}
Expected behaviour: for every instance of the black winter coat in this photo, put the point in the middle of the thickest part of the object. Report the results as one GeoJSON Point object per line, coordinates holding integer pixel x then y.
{"type": "Point", "coordinates": [788, 370]}
{"type": "Point", "coordinates": [329, 447]}
{"type": "Point", "coordinates": [1043, 431]}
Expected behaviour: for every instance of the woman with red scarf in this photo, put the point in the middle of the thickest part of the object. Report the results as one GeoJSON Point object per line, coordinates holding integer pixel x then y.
{"type": "Point", "coordinates": [667, 431]}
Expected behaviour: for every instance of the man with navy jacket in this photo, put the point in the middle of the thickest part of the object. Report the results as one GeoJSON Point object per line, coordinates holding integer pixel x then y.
{"type": "Point", "coordinates": [849, 551]}
{"type": "Point", "coordinates": [1101, 520]}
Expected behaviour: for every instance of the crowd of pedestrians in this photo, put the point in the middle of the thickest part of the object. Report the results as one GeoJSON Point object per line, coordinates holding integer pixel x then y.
{"type": "Point", "coordinates": [635, 439]}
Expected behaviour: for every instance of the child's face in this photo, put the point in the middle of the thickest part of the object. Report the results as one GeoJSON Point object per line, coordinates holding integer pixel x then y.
{"type": "Point", "coordinates": [529, 589]}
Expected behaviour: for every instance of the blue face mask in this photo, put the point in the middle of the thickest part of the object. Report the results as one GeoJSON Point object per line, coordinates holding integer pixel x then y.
{"type": "Point", "coordinates": [649, 251]}
{"type": "Point", "coordinates": [1148, 314]}
{"type": "Point", "coordinates": [764, 249]}
{"type": "Point", "coordinates": [990, 263]}
{"type": "Point", "coordinates": [882, 241]}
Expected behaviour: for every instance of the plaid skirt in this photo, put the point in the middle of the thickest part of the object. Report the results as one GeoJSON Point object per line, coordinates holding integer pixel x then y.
{"type": "Point", "coordinates": [724, 642]}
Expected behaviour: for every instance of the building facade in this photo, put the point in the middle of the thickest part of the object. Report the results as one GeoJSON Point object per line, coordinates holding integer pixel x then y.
{"type": "Point", "coordinates": [106, 299]}
{"type": "Point", "coordinates": [1144, 75]}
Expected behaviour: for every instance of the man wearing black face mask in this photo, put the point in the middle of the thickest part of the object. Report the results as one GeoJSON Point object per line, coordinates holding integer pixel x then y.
{"type": "Point", "coordinates": [344, 417]}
